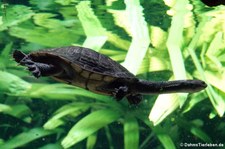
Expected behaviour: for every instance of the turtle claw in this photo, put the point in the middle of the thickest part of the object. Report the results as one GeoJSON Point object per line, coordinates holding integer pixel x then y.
{"type": "Point", "coordinates": [36, 73]}
{"type": "Point", "coordinates": [134, 99]}
{"type": "Point", "coordinates": [34, 70]}
{"type": "Point", "coordinates": [26, 61]}
{"type": "Point", "coordinates": [31, 66]}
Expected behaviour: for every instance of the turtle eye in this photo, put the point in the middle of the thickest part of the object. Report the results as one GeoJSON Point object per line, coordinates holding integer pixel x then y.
{"type": "Point", "coordinates": [18, 55]}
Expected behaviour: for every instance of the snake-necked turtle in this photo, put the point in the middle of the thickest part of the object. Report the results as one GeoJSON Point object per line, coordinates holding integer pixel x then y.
{"type": "Point", "coordinates": [98, 73]}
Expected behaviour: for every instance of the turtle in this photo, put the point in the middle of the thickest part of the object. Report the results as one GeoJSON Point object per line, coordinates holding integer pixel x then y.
{"type": "Point", "coordinates": [98, 73]}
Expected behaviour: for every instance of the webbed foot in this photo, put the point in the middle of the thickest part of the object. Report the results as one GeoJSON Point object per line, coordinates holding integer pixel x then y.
{"type": "Point", "coordinates": [37, 68]}
{"type": "Point", "coordinates": [134, 99]}
{"type": "Point", "coordinates": [120, 93]}
{"type": "Point", "coordinates": [31, 66]}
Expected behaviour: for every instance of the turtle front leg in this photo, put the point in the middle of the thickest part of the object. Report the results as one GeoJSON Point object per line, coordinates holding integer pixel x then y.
{"type": "Point", "coordinates": [120, 92]}
{"type": "Point", "coordinates": [40, 69]}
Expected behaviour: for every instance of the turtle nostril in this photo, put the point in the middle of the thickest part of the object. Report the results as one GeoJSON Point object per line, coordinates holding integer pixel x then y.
{"type": "Point", "coordinates": [203, 84]}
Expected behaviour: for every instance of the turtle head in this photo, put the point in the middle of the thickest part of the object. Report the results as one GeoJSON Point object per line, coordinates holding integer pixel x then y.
{"type": "Point", "coordinates": [18, 56]}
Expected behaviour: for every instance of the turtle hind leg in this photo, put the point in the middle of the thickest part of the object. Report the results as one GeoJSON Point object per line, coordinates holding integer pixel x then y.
{"type": "Point", "coordinates": [134, 99]}
{"type": "Point", "coordinates": [40, 69]}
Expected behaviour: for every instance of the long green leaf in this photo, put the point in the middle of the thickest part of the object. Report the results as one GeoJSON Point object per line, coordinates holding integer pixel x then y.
{"type": "Point", "coordinates": [163, 136]}
{"type": "Point", "coordinates": [92, 26]}
{"type": "Point", "coordinates": [163, 106]}
{"type": "Point", "coordinates": [166, 141]}
{"type": "Point", "coordinates": [217, 100]}
{"type": "Point", "coordinates": [91, 140]}
{"type": "Point", "coordinates": [73, 109]}
{"type": "Point", "coordinates": [5, 108]}
{"type": "Point", "coordinates": [61, 92]}
{"type": "Point", "coordinates": [139, 33]}
{"type": "Point", "coordinates": [109, 137]}
{"type": "Point", "coordinates": [131, 133]}
{"type": "Point", "coordinates": [19, 110]}
{"type": "Point", "coordinates": [200, 134]}
{"type": "Point", "coordinates": [89, 125]}
{"type": "Point", "coordinates": [195, 128]}
{"type": "Point", "coordinates": [25, 137]}
{"type": "Point", "coordinates": [15, 15]}
{"type": "Point", "coordinates": [52, 146]}
{"type": "Point", "coordinates": [12, 84]}
{"type": "Point", "coordinates": [51, 38]}
{"type": "Point", "coordinates": [174, 44]}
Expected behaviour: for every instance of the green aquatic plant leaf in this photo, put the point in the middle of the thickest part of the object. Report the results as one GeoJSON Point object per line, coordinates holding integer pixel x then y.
{"type": "Point", "coordinates": [90, 124]}
{"type": "Point", "coordinates": [155, 13]}
{"type": "Point", "coordinates": [19, 111]}
{"type": "Point", "coordinates": [131, 133]}
{"type": "Point", "coordinates": [5, 108]}
{"type": "Point", "coordinates": [194, 100]}
{"type": "Point", "coordinates": [214, 24]}
{"type": "Point", "coordinates": [47, 20]}
{"type": "Point", "coordinates": [6, 51]}
{"type": "Point", "coordinates": [195, 127]}
{"type": "Point", "coordinates": [66, 2]}
{"type": "Point", "coordinates": [161, 133]}
{"type": "Point", "coordinates": [158, 38]}
{"type": "Point", "coordinates": [25, 138]}
{"type": "Point", "coordinates": [72, 110]}
{"type": "Point", "coordinates": [62, 92]}
{"type": "Point", "coordinates": [4, 56]}
{"type": "Point", "coordinates": [200, 7]}
{"type": "Point", "coordinates": [200, 134]}
{"type": "Point", "coordinates": [109, 137]}
{"type": "Point", "coordinates": [51, 38]}
{"type": "Point", "coordinates": [174, 45]}
{"type": "Point", "coordinates": [163, 106]}
{"type": "Point", "coordinates": [91, 141]}
{"type": "Point", "coordinates": [117, 41]}
{"type": "Point", "coordinates": [52, 146]}
{"type": "Point", "coordinates": [92, 26]}
{"type": "Point", "coordinates": [214, 50]}
{"type": "Point", "coordinates": [43, 4]}
{"type": "Point", "coordinates": [166, 140]}
{"type": "Point", "coordinates": [11, 84]}
{"type": "Point", "coordinates": [140, 37]}
{"type": "Point", "coordinates": [215, 79]}
{"type": "Point", "coordinates": [216, 99]}
{"type": "Point", "coordinates": [177, 62]}
{"type": "Point", "coordinates": [14, 15]}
